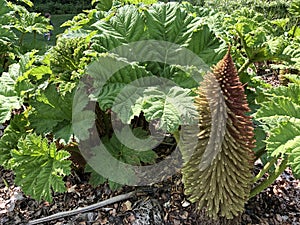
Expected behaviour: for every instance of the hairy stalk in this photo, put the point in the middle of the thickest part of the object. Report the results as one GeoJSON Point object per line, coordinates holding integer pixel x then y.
{"type": "Point", "coordinates": [21, 39]}
{"type": "Point", "coordinates": [248, 61]}
{"type": "Point", "coordinates": [176, 136]}
{"type": "Point", "coordinates": [260, 152]}
{"type": "Point", "coordinates": [34, 38]}
{"type": "Point", "coordinates": [295, 27]}
{"type": "Point", "coordinates": [107, 125]}
{"type": "Point", "coordinates": [246, 64]}
{"type": "Point", "coordinates": [264, 170]}
{"type": "Point", "coordinates": [266, 183]}
{"type": "Point", "coordinates": [243, 42]}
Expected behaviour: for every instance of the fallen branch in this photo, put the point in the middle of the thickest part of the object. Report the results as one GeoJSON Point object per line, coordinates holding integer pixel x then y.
{"type": "Point", "coordinates": [84, 209]}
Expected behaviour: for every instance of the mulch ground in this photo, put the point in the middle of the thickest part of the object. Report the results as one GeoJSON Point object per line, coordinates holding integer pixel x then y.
{"type": "Point", "coordinates": [165, 203]}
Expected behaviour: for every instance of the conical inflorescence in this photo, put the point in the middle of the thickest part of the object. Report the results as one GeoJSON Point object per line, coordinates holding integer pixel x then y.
{"type": "Point", "coordinates": [217, 172]}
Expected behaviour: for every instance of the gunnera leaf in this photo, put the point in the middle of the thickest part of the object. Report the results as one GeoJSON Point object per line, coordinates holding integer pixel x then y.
{"type": "Point", "coordinates": [217, 174]}
{"type": "Point", "coordinates": [40, 167]}
{"type": "Point", "coordinates": [52, 113]}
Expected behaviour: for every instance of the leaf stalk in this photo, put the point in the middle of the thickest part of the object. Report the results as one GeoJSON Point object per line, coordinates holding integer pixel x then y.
{"type": "Point", "coordinates": [266, 183]}
{"type": "Point", "coordinates": [246, 64]}
{"type": "Point", "coordinates": [295, 27]}
{"type": "Point", "coordinates": [264, 170]}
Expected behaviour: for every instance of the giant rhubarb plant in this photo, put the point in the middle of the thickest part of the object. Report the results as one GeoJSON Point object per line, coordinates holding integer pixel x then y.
{"type": "Point", "coordinates": [218, 174]}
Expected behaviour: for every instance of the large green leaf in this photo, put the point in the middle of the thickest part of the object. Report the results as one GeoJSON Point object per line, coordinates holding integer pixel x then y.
{"type": "Point", "coordinates": [15, 130]}
{"type": "Point", "coordinates": [206, 45]}
{"type": "Point", "coordinates": [172, 107]}
{"type": "Point", "coordinates": [295, 8]}
{"type": "Point", "coordinates": [132, 90]}
{"type": "Point", "coordinates": [126, 26]}
{"type": "Point", "coordinates": [32, 22]}
{"type": "Point", "coordinates": [116, 158]}
{"type": "Point", "coordinates": [281, 113]}
{"type": "Point", "coordinates": [184, 77]}
{"type": "Point", "coordinates": [290, 92]}
{"type": "Point", "coordinates": [9, 98]}
{"type": "Point", "coordinates": [168, 22]}
{"type": "Point", "coordinates": [83, 119]}
{"type": "Point", "coordinates": [3, 8]}
{"type": "Point", "coordinates": [39, 167]}
{"type": "Point", "coordinates": [129, 152]}
{"type": "Point", "coordinates": [111, 74]}
{"type": "Point", "coordinates": [285, 139]}
{"type": "Point", "coordinates": [103, 5]}
{"type": "Point", "coordinates": [7, 37]}
{"type": "Point", "coordinates": [294, 78]}
{"type": "Point", "coordinates": [295, 158]}
{"type": "Point", "coordinates": [293, 50]}
{"type": "Point", "coordinates": [128, 103]}
{"type": "Point", "coordinates": [283, 104]}
{"type": "Point", "coordinates": [14, 83]}
{"type": "Point", "coordinates": [52, 113]}
{"type": "Point", "coordinates": [160, 22]}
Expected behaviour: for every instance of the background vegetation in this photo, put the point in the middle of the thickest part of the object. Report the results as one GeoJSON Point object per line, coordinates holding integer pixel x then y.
{"type": "Point", "coordinates": [59, 7]}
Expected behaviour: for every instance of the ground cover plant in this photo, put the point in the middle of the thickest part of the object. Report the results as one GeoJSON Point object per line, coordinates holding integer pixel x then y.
{"type": "Point", "coordinates": [222, 120]}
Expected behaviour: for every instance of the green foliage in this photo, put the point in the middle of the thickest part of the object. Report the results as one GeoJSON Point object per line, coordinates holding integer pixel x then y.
{"type": "Point", "coordinates": [169, 23]}
{"type": "Point", "coordinates": [61, 7]}
{"type": "Point", "coordinates": [171, 107]}
{"type": "Point", "coordinates": [18, 84]}
{"type": "Point", "coordinates": [274, 9]}
{"type": "Point", "coordinates": [161, 22]}
{"type": "Point", "coordinates": [293, 51]}
{"type": "Point", "coordinates": [16, 21]}
{"type": "Point", "coordinates": [125, 27]}
{"type": "Point", "coordinates": [68, 59]}
{"type": "Point", "coordinates": [13, 133]}
{"type": "Point", "coordinates": [295, 8]}
{"type": "Point", "coordinates": [293, 78]}
{"type": "Point", "coordinates": [9, 99]}
{"type": "Point", "coordinates": [27, 88]}
{"type": "Point", "coordinates": [29, 22]}
{"type": "Point", "coordinates": [282, 105]}
{"type": "Point", "coordinates": [52, 113]}
{"type": "Point", "coordinates": [7, 36]}
{"type": "Point", "coordinates": [260, 39]}
{"type": "Point", "coordinates": [132, 155]}
{"type": "Point", "coordinates": [103, 5]}
{"type": "Point", "coordinates": [129, 155]}
{"type": "Point", "coordinates": [280, 112]}
{"type": "Point", "coordinates": [40, 167]}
